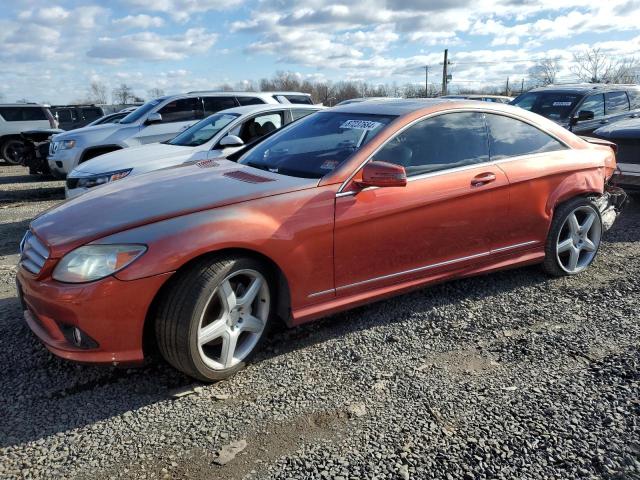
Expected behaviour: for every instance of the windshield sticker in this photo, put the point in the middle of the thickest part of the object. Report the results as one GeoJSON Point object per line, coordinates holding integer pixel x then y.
{"type": "Point", "coordinates": [361, 125]}
{"type": "Point", "coordinates": [561, 104]}
{"type": "Point", "coordinates": [329, 165]}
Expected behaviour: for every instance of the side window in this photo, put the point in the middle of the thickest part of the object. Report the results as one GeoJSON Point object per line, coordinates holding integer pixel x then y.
{"type": "Point", "coordinates": [296, 113]}
{"type": "Point", "coordinates": [595, 104]}
{"type": "Point", "coordinates": [64, 116]}
{"type": "Point", "coordinates": [250, 101]}
{"type": "Point", "coordinates": [182, 110]}
{"type": "Point", "coordinates": [634, 98]}
{"type": "Point", "coordinates": [215, 104]}
{"type": "Point", "coordinates": [91, 113]}
{"type": "Point", "coordinates": [261, 125]}
{"type": "Point", "coordinates": [509, 137]}
{"type": "Point", "coordinates": [33, 113]}
{"type": "Point", "coordinates": [616, 102]}
{"type": "Point", "coordinates": [439, 143]}
{"type": "Point", "coordinates": [299, 99]}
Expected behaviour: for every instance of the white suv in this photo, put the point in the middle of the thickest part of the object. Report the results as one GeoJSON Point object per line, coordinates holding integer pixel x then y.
{"type": "Point", "coordinates": [17, 118]}
{"type": "Point", "coordinates": [155, 121]}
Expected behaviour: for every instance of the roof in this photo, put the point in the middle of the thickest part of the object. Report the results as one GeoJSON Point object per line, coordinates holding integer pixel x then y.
{"type": "Point", "coordinates": [20, 105]}
{"type": "Point", "coordinates": [585, 87]}
{"type": "Point", "coordinates": [391, 107]}
{"type": "Point", "coordinates": [267, 107]}
{"type": "Point", "coordinates": [248, 94]}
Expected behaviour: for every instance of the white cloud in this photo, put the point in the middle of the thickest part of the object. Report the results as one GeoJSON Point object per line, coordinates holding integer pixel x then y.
{"type": "Point", "coordinates": [141, 21]}
{"type": "Point", "coordinates": [182, 10]}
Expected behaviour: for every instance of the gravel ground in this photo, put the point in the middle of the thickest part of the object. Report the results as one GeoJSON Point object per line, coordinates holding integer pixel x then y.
{"type": "Point", "coordinates": [512, 375]}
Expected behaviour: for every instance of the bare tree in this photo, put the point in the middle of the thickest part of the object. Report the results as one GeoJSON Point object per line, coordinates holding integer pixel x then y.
{"type": "Point", "coordinates": [155, 93]}
{"type": "Point", "coordinates": [123, 94]}
{"type": "Point", "coordinates": [595, 66]}
{"type": "Point", "coordinates": [544, 72]}
{"type": "Point", "coordinates": [97, 93]}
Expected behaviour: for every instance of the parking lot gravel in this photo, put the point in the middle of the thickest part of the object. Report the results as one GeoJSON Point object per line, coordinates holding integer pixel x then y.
{"type": "Point", "coordinates": [513, 375]}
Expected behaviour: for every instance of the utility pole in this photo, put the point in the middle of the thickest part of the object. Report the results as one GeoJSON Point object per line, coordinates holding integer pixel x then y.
{"type": "Point", "coordinates": [522, 86]}
{"type": "Point", "coordinates": [507, 90]}
{"type": "Point", "coordinates": [444, 71]}
{"type": "Point", "coordinates": [426, 81]}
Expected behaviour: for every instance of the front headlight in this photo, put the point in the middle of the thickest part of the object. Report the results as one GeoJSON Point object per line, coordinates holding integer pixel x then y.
{"type": "Point", "coordinates": [102, 178]}
{"type": "Point", "coordinates": [93, 262]}
{"type": "Point", "coordinates": [66, 144]}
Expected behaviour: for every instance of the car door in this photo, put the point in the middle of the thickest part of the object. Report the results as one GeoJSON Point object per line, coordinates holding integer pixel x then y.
{"type": "Point", "coordinates": [523, 152]}
{"type": "Point", "coordinates": [442, 220]}
{"type": "Point", "coordinates": [595, 104]}
{"type": "Point", "coordinates": [177, 115]}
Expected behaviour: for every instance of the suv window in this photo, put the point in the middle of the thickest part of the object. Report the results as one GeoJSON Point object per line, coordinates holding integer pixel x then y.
{"type": "Point", "coordinates": [250, 101]}
{"type": "Point", "coordinates": [634, 98]}
{"type": "Point", "coordinates": [215, 104]}
{"type": "Point", "coordinates": [259, 126]}
{"type": "Point", "coordinates": [296, 99]}
{"type": "Point", "coordinates": [182, 110]}
{"type": "Point", "coordinates": [595, 104]}
{"type": "Point", "coordinates": [64, 115]}
{"type": "Point", "coordinates": [509, 137]}
{"type": "Point", "coordinates": [616, 102]}
{"type": "Point", "coordinates": [91, 113]}
{"type": "Point", "coordinates": [22, 114]}
{"type": "Point", "coordinates": [447, 141]}
{"type": "Point", "coordinates": [297, 113]}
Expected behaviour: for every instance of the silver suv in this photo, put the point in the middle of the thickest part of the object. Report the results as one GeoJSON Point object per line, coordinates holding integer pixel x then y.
{"type": "Point", "coordinates": [156, 121]}
{"type": "Point", "coordinates": [17, 118]}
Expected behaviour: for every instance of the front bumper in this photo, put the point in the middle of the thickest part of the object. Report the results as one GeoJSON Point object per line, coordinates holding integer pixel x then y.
{"type": "Point", "coordinates": [63, 161]}
{"type": "Point", "coordinates": [109, 313]}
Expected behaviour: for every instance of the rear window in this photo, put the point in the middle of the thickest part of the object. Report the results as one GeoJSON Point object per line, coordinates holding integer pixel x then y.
{"type": "Point", "coordinates": [23, 114]}
{"type": "Point", "coordinates": [296, 99]}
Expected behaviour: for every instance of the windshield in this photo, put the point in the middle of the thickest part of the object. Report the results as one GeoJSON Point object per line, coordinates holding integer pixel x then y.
{"type": "Point", "coordinates": [553, 105]}
{"type": "Point", "coordinates": [141, 111]}
{"type": "Point", "coordinates": [317, 144]}
{"type": "Point", "coordinates": [204, 130]}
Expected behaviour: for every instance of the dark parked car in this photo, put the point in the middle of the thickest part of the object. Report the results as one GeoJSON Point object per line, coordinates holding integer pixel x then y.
{"type": "Point", "coordinates": [582, 108]}
{"type": "Point", "coordinates": [71, 117]}
{"type": "Point", "coordinates": [626, 135]}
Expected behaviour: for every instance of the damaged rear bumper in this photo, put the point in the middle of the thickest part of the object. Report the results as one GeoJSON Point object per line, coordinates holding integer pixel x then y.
{"type": "Point", "coordinates": [610, 204]}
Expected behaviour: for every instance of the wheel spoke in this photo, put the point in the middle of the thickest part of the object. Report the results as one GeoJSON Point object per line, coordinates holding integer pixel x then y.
{"type": "Point", "coordinates": [574, 226]}
{"type": "Point", "coordinates": [587, 224]}
{"type": "Point", "coordinates": [573, 258]}
{"type": "Point", "coordinates": [229, 342]}
{"type": "Point", "coordinates": [251, 324]}
{"type": "Point", "coordinates": [250, 294]}
{"type": "Point", "coordinates": [227, 295]}
{"type": "Point", "coordinates": [212, 331]}
{"type": "Point", "coordinates": [588, 245]}
{"type": "Point", "coordinates": [565, 245]}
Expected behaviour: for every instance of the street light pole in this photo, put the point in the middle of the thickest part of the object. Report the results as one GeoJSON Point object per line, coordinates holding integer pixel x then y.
{"type": "Point", "coordinates": [426, 81]}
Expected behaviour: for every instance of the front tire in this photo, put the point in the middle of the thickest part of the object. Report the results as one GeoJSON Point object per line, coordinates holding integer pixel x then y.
{"type": "Point", "coordinates": [574, 238]}
{"type": "Point", "coordinates": [215, 317]}
{"type": "Point", "coordinates": [12, 149]}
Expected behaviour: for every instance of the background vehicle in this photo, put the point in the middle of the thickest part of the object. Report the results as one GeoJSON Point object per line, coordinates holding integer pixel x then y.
{"type": "Point", "coordinates": [626, 135]}
{"type": "Point", "coordinates": [217, 136]}
{"type": "Point", "coordinates": [17, 118]}
{"type": "Point", "coordinates": [482, 98]}
{"type": "Point", "coordinates": [582, 108]}
{"type": "Point", "coordinates": [33, 154]}
{"type": "Point", "coordinates": [155, 121]}
{"type": "Point", "coordinates": [112, 117]}
{"type": "Point", "coordinates": [364, 99]}
{"type": "Point", "coordinates": [340, 208]}
{"type": "Point", "coordinates": [70, 117]}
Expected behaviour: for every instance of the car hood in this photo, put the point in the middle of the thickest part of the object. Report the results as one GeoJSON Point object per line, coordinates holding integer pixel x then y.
{"type": "Point", "coordinates": [622, 129]}
{"type": "Point", "coordinates": [142, 159]}
{"type": "Point", "coordinates": [100, 130]}
{"type": "Point", "coordinates": [156, 196]}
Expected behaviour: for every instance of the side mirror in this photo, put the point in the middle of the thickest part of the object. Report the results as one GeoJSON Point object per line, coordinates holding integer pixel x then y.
{"type": "Point", "coordinates": [383, 174]}
{"type": "Point", "coordinates": [584, 115]}
{"type": "Point", "coordinates": [153, 117]}
{"type": "Point", "coordinates": [231, 141]}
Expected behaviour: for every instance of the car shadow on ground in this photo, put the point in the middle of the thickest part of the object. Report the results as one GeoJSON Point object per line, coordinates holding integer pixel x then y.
{"type": "Point", "coordinates": [57, 396]}
{"type": "Point", "coordinates": [10, 236]}
{"type": "Point", "coordinates": [26, 195]}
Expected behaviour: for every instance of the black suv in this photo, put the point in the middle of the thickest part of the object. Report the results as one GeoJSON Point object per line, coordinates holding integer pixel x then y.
{"type": "Point", "coordinates": [71, 117]}
{"type": "Point", "coordinates": [582, 108]}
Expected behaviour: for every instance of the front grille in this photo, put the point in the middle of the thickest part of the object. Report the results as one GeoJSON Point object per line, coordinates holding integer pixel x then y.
{"type": "Point", "coordinates": [72, 183]}
{"type": "Point", "coordinates": [33, 254]}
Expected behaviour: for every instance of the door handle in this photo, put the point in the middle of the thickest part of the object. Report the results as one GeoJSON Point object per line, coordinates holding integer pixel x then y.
{"type": "Point", "coordinates": [483, 179]}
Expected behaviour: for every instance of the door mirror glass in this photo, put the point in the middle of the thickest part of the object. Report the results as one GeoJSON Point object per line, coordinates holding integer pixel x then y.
{"type": "Point", "coordinates": [382, 174]}
{"type": "Point", "coordinates": [153, 117]}
{"type": "Point", "coordinates": [231, 141]}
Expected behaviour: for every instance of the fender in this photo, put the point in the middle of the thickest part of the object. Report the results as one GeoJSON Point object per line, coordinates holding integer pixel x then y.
{"type": "Point", "coordinates": [583, 182]}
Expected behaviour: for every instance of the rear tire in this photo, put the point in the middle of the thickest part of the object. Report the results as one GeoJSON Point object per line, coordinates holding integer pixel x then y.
{"type": "Point", "coordinates": [11, 150]}
{"type": "Point", "coordinates": [574, 237]}
{"type": "Point", "coordinates": [215, 317]}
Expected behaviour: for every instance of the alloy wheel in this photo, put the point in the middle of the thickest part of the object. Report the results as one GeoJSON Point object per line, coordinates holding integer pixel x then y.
{"type": "Point", "coordinates": [579, 239]}
{"type": "Point", "coordinates": [233, 319]}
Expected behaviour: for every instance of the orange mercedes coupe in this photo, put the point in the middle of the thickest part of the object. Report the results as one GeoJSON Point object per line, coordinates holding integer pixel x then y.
{"type": "Point", "coordinates": [341, 208]}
